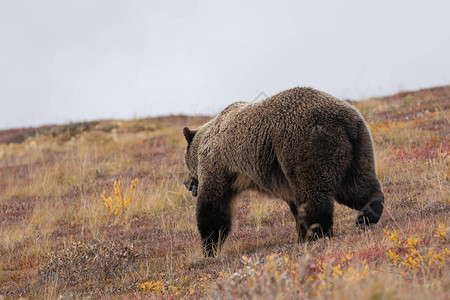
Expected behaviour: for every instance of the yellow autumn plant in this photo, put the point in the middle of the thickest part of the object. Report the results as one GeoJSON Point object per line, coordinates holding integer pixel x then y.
{"type": "Point", "coordinates": [409, 256]}
{"type": "Point", "coordinates": [155, 286]}
{"type": "Point", "coordinates": [117, 202]}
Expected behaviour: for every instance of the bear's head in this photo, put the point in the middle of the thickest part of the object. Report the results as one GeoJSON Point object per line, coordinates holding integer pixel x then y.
{"type": "Point", "coordinates": [191, 160]}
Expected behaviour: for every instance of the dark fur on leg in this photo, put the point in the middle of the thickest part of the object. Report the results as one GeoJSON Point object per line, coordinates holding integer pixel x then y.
{"type": "Point", "coordinates": [371, 214]}
{"type": "Point", "coordinates": [214, 224]}
{"type": "Point", "coordinates": [314, 225]}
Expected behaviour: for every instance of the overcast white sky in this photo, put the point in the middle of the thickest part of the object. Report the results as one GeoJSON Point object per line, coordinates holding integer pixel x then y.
{"type": "Point", "coordinates": [63, 61]}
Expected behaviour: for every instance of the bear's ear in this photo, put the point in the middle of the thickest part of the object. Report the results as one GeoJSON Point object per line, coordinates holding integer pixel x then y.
{"type": "Point", "coordinates": [189, 134]}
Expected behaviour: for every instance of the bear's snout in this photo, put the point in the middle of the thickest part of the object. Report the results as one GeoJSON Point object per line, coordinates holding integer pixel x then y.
{"type": "Point", "coordinates": [191, 184]}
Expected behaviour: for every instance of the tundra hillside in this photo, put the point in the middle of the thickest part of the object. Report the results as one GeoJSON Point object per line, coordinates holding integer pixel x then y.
{"type": "Point", "coordinates": [98, 209]}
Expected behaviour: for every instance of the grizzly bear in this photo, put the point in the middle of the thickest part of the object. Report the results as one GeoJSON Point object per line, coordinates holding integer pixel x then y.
{"type": "Point", "coordinates": [301, 145]}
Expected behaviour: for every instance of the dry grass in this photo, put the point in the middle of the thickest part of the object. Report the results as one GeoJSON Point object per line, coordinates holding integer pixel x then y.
{"type": "Point", "coordinates": [58, 238]}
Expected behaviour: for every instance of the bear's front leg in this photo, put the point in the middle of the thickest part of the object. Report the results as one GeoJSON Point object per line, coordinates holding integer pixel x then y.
{"type": "Point", "coordinates": [213, 217]}
{"type": "Point", "coordinates": [315, 218]}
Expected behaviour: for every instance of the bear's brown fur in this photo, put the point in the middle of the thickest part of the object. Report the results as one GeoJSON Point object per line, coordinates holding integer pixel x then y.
{"type": "Point", "coordinates": [301, 145]}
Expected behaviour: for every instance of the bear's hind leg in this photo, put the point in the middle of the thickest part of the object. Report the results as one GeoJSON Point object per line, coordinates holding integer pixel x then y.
{"type": "Point", "coordinates": [371, 214]}
{"type": "Point", "coordinates": [365, 195]}
{"type": "Point", "coordinates": [360, 188]}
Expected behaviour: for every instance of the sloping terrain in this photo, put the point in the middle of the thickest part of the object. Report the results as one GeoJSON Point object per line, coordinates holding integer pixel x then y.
{"type": "Point", "coordinates": [98, 209]}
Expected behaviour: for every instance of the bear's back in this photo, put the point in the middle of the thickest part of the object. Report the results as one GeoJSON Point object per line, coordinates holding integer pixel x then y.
{"type": "Point", "coordinates": [303, 101]}
{"type": "Point", "coordinates": [294, 108]}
